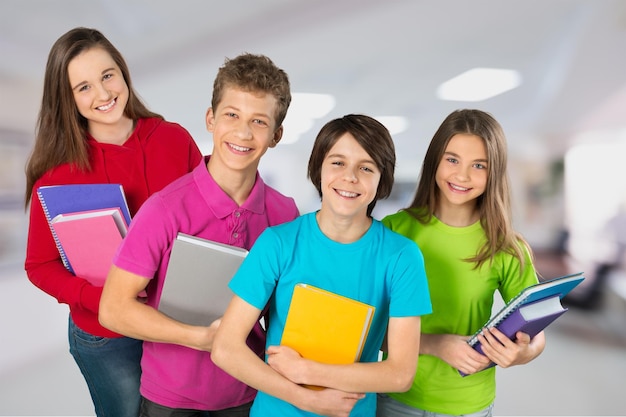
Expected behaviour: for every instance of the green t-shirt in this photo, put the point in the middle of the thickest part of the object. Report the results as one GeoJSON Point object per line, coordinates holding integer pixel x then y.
{"type": "Point", "coordinates": [462, 300]}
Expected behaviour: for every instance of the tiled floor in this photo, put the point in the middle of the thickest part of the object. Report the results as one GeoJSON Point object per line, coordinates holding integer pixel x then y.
{"type": "Point", "coordinates": [582, 372]}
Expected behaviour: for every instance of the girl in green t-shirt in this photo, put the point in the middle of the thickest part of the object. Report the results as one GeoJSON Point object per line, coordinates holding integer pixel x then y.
{"type": "Point", "coordinates": [461, 220]}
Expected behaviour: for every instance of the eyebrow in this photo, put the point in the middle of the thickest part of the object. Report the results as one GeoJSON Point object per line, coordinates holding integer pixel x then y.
{"type": "Point", "coordinates": [457, 156]}
{"type": "Point", "coordinates": [340, 155]}
{"type": "Point", "coordinates": [85, 82]}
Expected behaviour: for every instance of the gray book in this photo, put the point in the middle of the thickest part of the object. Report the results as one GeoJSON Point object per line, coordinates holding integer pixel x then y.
{"type": "Point", "coordinates": [196, 290]}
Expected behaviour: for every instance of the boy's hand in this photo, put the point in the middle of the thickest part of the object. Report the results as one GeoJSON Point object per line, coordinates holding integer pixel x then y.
{"type": "Point", "coordinates": [287, 362]}
{"type": "Point", "coordinates": [333, 403]}
{"type": "Point", "coordinates": [206, 335]}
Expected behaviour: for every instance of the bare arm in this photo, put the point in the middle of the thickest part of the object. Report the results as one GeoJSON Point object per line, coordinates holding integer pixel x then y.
{"type": "Point", "coordinates": [122, 312]}
{"type": "Point", "coordinates": [454, 350]}
{"type": "Point", "coordinates": [395, 374]}
{"type": "Point", "coordinates": [231, 353]}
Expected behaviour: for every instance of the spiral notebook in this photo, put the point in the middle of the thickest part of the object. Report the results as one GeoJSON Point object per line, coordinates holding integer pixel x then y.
{"type": "Point", "coordinates": [72, 198]}
{"type": "Point", "coordinates": [531, 311]}
{"type": "Point", "coordinates": [557, 286]}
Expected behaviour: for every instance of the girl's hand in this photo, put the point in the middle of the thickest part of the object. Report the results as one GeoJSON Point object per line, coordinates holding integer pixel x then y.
{"type": "Point", "coordinates": [454, 350]}
{"type": "Point", "coordinates": [505, 352]}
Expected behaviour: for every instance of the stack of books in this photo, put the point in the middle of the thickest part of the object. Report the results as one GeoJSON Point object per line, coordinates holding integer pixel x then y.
{"type": "Point", "coordinates": [88, 222]}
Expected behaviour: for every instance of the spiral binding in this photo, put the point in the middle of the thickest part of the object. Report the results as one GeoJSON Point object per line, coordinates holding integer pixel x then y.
{"type": "Point", "coordinates": [64, 259]}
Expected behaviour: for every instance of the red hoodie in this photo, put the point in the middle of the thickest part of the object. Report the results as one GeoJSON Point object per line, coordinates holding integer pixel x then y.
{"type": "Point", "coordinates": [156, 153]}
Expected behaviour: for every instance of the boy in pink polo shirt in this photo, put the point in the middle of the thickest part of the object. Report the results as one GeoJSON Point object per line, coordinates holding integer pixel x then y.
{"type": "Point", "coordinates": [224, 199]}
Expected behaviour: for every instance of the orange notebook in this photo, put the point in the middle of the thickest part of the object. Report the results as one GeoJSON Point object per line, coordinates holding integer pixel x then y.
{"type": "Point", "coordinates": [326, 327]}
{"type": "Point", "coordinates": [90, 240]}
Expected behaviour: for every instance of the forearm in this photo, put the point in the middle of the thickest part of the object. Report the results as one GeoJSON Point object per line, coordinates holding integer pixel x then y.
{"type": "Point", "coordinates": [55, 280]}
{"type": "Point", "coordinates": [140, 321]}
{"type": "Point", "coordinates": [394, 374]}
{"type": "Point", "coordinates": [384, 376]}
{"type": "Point", "coordinates": [123, 312]}
{"type": "Point", "coordinates": [430, 344]}
{"type": "Point", "coordinates": [242, 363]}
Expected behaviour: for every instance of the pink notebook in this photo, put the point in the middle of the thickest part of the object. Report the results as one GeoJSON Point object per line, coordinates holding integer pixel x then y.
{"type": "Point", "coordinates": [90, 240]}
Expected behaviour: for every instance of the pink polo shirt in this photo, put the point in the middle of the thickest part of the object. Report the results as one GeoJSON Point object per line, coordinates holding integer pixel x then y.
{"type": "Point", "coordinates": [173, 375]}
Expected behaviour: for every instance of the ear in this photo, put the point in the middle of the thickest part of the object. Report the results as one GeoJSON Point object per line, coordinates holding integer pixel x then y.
{"type": "Point", "coordinates": [278, 135]}
{"type": "Point", "coordinates": [210, 120]}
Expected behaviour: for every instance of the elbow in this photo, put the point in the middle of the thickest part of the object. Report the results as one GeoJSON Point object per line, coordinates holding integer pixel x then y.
{"type": "Point", "coordinates": [218, 354]}
{"type": "Point", "coordinates": [106, 316]}
{"type": "Point", "coordinates": [404, 383]}
{"type": "Point", "coordinates": [404, 379]}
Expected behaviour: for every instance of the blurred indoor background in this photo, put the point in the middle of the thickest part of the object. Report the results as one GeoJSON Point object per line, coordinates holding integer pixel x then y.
{"type": "Point", "coordinates": [563, 110]}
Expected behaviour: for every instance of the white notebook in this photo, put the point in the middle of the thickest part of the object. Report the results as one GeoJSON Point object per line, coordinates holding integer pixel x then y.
{"type": "Point", "coordinates": [196, 290]}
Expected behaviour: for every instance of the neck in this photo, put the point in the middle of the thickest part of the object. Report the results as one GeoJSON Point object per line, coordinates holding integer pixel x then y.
{"type": "Point", "coordinates": [236, 184]}
{"type": "Point", "coordinates": [342, 229]}
{"type": "Point", "coordinates": [115, 134]}
{"type": "Point", "coordinates": [457, 216]}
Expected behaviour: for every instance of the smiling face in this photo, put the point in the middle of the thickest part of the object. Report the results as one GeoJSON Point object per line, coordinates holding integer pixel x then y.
{"type": "Point", "coordinates": [243, 127]}
{"type": "Point", "coordinates": [462, 172]}
{"type": "Point", "coordinates": [99, 89]}
{"type": "Point", "coordinates": [349, 179]}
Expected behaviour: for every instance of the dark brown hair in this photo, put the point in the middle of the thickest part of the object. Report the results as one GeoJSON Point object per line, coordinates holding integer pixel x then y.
{"type": "Point", "coordinates": [375, 139]}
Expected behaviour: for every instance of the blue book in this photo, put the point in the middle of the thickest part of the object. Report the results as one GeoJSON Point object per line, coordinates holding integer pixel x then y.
{"type": "Point", "coordinates": [72, 198]}
{"type": "Point", "coordinates": [532, 310]}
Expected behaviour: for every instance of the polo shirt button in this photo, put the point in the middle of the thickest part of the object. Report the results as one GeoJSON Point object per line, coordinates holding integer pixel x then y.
{"type": "Point", "coordinates": [235, 235]}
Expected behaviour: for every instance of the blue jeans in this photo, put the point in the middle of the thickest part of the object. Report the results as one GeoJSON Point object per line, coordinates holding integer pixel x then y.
{"type": "Point", "coordinates": [388, 407]}
{"type": "Point", "coordinates": [111, 367]}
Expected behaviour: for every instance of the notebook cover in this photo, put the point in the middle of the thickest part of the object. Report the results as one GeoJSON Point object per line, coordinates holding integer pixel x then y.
{"type": "Point", "coordinates": [71, 198]}
{"type": "Point", "coordinates": [326, 327]}
{"type": "Point", "coordinates": [90, 240]}
{"type": "Point", "coordinates": [196, 290]}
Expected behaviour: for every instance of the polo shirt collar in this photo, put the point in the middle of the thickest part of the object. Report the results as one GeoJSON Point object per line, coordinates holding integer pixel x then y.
{"type": "Point", "coordinates": [219, 202]}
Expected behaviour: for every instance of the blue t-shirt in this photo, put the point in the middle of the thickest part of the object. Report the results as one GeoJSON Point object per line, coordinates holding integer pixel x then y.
{"type": "Point", "coordinates": [382, 268]}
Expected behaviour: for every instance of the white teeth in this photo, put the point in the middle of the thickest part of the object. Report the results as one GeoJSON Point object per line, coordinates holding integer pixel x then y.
{"type": "Point", "coordinates": [239, 148]}
{"type": "Point", "coordinates": [107, 107]}
{"type": "Point", "coordinates": [456, 187]}
{"type": "Point", "coordinates": [347, 194]}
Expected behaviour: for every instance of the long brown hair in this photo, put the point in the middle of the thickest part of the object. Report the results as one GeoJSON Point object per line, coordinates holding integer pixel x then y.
{"type": "Point", "coordinates": [494, 205]}
{"type": "Point", "coordinates": [60, 135]}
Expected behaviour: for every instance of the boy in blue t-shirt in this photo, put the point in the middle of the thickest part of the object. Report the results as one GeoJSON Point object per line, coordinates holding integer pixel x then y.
{"type": "Point", "coordinates": [342, 249]}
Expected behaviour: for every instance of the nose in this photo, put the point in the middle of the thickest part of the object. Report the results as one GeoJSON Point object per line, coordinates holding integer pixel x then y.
{"type": "Point", "coordinates": [463, 173]}
{"type": "Point", "coordinates": [350, 175]}
{"type": "Point", "coordinates": [102, 92]}
{"type": "Point", "coordinates": [243, 131]}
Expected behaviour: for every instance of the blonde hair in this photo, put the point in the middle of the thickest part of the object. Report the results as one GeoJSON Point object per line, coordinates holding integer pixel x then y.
{"type": "Point", "coordinates": [494, 205]}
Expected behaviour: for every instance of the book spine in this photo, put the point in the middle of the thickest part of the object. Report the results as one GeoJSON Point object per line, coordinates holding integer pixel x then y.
{"type": "Point", "coordinates": [64, 259]}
